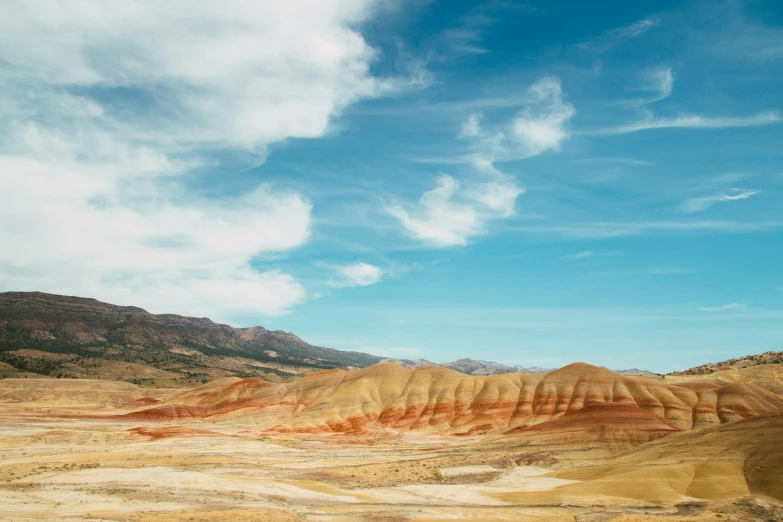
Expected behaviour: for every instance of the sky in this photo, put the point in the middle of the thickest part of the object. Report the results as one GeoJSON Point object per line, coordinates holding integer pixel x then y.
{"type": "Point", "coordinates": [529, 183]}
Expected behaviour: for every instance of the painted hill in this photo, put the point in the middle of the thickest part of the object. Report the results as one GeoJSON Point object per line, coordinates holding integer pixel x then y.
{"type": "Point", "coordinates": [577, 401]}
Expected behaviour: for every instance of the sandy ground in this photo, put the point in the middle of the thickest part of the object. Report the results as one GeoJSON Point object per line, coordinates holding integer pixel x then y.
{"type": "Point", "coordinates": [59, 469]}
{"type": "Point", "coordinates": [63, 469]}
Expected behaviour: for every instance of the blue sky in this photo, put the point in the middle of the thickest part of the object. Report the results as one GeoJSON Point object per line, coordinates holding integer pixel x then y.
{"type": "Point", "coordinates": [528, 183]}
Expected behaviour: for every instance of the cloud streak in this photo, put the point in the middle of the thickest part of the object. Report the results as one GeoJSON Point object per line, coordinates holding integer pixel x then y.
{"type": "Point", "coordinates": [724, 308]}
{"type": "Point", "coordinates": [607, 229]}
{"type": "Point", "coordinates": [703, 203]}
{"type": "Point", "coordinates": [691, 122]}
{"type": "Point", "coordinates": [579, 255]}
{"type": "Point", "coordinates": [614, 37]}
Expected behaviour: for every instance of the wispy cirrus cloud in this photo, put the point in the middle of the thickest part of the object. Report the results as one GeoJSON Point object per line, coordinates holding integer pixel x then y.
{"type": "Point", "coordinates": [579, 255]}
{"type": "Point", "coordinates": [693, 121]}
{"type": "Point", "coordinates": [464, 37]}
{"type": "Point", "coordinates": [661, 83]}
{"type": "Point", "coordinates": [613, 37]}
{"type": "Point", "coordinates": [740, 307]}
{"type": "Point", "coordinates": [607, 229]}
{"type": "Point", "coordinates": [703, 203]}
{"type": "Point", "coordinates": [657, 271]}
{"type": "Point", "coordinates": [585, 254]}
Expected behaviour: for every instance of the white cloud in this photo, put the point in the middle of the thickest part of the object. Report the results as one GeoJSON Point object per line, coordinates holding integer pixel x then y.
{"type": "Point", "coordinates": [579, 255]}
{"type": "Point", "coordinates": [732, 306]}
{"type": "Point", "coordinates": [439, 219]}
{"type": "Point", "coordinates": [499, 195]}
{"type": "Point", "coordinates": [356, 274]}
{"type": "Point", "coordinates": [106, 107]}
{"type": "Point", "coordinates": [236, 72]}
{"type": "Point", "coordinates": [697, 204]}
{"type": "Point", "coordinates": [450, 215]}
{"type": "Point", "coordinates": [694, 121]}
{"type": "Point", "coordinates": [471, 127]}
{"type": "Point", "coordinates": [541, 124]}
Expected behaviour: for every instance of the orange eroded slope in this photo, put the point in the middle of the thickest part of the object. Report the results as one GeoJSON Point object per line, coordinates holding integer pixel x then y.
{"type": "Point", "coordinates": [388, 396]}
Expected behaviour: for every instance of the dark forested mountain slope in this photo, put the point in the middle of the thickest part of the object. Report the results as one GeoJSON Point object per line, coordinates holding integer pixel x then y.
{"type": "Point", "coordinates": [74, 337]}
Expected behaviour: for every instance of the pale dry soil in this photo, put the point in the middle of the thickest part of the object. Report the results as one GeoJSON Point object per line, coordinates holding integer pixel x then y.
{"type": "Point", "coordinates": [67, 469]}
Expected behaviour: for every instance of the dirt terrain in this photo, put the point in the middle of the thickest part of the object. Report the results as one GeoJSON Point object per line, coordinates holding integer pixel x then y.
{"type": "Point", "coordinates": [233, 449]}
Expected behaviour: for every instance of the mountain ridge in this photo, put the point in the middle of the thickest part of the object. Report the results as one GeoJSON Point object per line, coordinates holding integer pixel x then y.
{"type": "Point", "coordinates": [85, 330]}
{"type": "Point", "coordinates": [72, 337]}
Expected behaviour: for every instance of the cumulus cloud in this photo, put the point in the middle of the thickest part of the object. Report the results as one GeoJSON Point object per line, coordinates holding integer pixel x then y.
{"type": "Point", "coordinates": [450, 214]}
{"type": "Point", "coordinates": [106, 107]}
{"type": "Point", "coordinates": [697, 204]}
{"type": "Point", "coordinates": [723, 308]}
{"type": "Point", "coordinates": [356, 274]}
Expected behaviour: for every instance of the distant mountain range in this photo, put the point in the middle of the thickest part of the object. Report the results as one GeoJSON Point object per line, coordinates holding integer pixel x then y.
{"type": "Point", "coordinates": [478, 367]}
{"type": "Point", "coordinates": [471, 366]}
{"type": "Point", "coordinates": [75, 337]}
